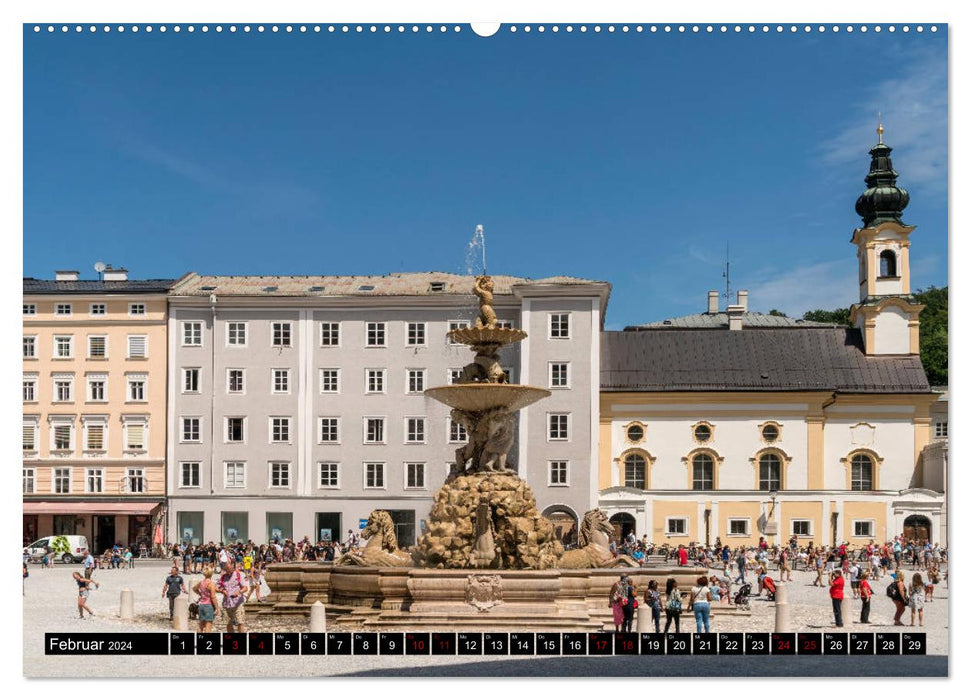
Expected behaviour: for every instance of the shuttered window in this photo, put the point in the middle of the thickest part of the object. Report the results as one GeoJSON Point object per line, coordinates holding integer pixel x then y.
{"type": "Point", "coordinates": [136, 437]}
{"type": "Point", "coordinates": [30, 437]}
{"type": "Point", "coordinates": [62, 437]}
{"type": "Point", "coordinates": [137, 345]}
{"type": "Point", "coordinates": [96, 437]}
{"type": "Point", "coordinates": [97, 346]}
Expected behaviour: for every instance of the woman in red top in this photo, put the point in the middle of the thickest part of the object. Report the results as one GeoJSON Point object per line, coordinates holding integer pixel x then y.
{"type": "Point", "coordinates": [865, 594]}
{"type": "Point", "coordinates": [836, 595]}
{"type": "Point", "coordinates": [682, 556]}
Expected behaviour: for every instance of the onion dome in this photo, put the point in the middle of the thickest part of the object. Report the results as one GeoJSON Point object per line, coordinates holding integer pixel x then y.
{"type": "Point", "coordinates": [882, 200]}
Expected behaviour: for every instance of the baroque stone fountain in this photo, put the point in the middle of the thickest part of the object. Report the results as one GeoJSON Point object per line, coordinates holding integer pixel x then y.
{"type": "Point", "coordinates": [488, 559]}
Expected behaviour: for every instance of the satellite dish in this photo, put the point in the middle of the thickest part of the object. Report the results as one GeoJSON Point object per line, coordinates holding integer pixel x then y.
{"type": "Point", "coordinates": [99, 267]}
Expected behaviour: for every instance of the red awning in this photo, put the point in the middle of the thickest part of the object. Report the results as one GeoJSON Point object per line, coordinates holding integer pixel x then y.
{"type": "Point", "coordinates": [94, 508]}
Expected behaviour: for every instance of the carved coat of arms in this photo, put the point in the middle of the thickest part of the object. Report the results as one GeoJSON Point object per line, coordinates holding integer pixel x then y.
{"type": "Point", "coordinates": [483, 591]}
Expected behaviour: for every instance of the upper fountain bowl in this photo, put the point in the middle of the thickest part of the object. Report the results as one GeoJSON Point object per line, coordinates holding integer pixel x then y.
{"type": "Point", "coordinates": [486, 336]}
{"type": "Point", "coordinates": [484, 396]}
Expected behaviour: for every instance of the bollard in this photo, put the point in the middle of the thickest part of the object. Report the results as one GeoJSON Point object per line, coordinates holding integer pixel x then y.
{"type": "Point", "coordinates": [644, 619]}
{"type": "Point", "coordinates": [782, 622]}
{"type": "Point", "coordinates": [127, 609]}
{"type": "Point", "coordinates": [180, 617]}
{"type": "Point", "coordinates": [318, 618]}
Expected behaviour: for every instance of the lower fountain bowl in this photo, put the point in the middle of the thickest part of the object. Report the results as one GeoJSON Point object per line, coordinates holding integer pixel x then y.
{"type": "Point", "coordinates": [482, 397]}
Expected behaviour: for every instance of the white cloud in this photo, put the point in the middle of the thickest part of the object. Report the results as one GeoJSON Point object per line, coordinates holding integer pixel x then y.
{"type": "Point", "coordinates": [914, 108]}
{"type": "Point", "coordinates": [825, 285]}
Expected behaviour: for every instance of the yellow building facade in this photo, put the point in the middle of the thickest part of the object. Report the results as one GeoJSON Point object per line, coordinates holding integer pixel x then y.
{"type": "Point", "coordinates": [94, 407]}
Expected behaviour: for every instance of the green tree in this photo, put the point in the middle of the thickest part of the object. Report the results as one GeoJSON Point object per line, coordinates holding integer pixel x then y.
{"type": "Point", "coordinates": [839, 317]}
{"type": "Point", "coordinates": [776, 312]}
{"type": "Point", "coordinates": [933, 333]}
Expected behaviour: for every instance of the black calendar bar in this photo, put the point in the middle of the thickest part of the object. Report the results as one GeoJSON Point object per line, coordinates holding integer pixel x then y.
{"type": "Point", "coordinates": [487, 643]}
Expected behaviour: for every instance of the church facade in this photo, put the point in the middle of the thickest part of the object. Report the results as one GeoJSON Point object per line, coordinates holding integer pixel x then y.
{"type": "Point", "coordinates": [735, 425]}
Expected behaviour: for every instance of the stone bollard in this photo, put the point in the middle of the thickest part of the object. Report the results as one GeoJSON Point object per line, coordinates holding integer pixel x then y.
{"type": "Point", "coordinates": [318, 618]}
{"type": "Point", "coordinates": [180, 617]}
{"type": "Point", "coordinates": [643, 619]}
{"type": "Point", "coordinates": [782, 622]}
{"type": "Point", "coordinates": [127, 609]}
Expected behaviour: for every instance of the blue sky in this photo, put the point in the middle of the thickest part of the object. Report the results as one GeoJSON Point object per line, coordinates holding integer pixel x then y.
{"type": "Point", "coordinates": [631, 158]}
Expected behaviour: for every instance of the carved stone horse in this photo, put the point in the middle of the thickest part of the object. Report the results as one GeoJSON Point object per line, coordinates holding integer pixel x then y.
{"type": "Point", "coordinates": [594, 541]}
{"type": "Point", "coordinates": [382, 545]}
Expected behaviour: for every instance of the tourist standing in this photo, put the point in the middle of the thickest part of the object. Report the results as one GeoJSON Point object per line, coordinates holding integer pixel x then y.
{"type": "Point", "coordinates": [652, 598]}
{"type": "Point", "coordinates": [866, 593]}
{"type": "Point", "coordinates": [672, 606]}
{"type": "Point", "coordinates": [173, 586]}
{"type": "Point", "coordinates": [836, 584]}
{"type": "Point", "coordinates": [898, 594]}
{"type": "Point", "coordinates": [917, 599]}
{"type": "Point", "coordinates": [701, 604]}
{"type": "Point", "coordinates": [740, 561]}
{"type": "Point", "coordinates": [233, 588]}
{"type": "Point", "coordinates": [208, 604]}
{"type": "Point", "coordinates": [84, 587]}
{"type": "Point", "coordinates": [88, 564]}
{"type": "Point", "coordinates": [682, 555]}
{"type": "Point", "coordinates": [854, 572]}
{"type": "Point", "coordinates": [616, 601]}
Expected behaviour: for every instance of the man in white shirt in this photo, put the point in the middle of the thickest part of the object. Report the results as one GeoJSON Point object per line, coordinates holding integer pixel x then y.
{"type": "Point", "coordinates": [223, 558]}
{"type": "Point", "coordinates": [855, 579]}
{"type": "Point", "coordinates": [88, 564]}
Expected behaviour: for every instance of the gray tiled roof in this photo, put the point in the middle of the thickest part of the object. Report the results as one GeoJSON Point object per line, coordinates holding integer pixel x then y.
{"type": "Point", "coordinates": [395, 284]}
{"type": "Point", "coordinates": [751, 319]}
{"type": "Point", "coordinates": [753, 359]}
{"type": "Point", "coordinates": [154, 286]}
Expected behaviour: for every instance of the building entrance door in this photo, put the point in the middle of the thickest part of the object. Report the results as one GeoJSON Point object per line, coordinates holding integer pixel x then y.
{"type": "Point", "coordinates": [329, 527]}
{"type": "Point", "coordinates": [404, 527]}
{"type": "Point", "coordinates": [623, 523]}
{"type": "Point", "coordinates": [918, 528]}
{"type": "Point", "coordinates": [104, 532]}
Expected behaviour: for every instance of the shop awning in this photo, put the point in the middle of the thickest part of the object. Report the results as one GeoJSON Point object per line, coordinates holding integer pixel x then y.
{"type": "Point", "coordinates": [89, 507]}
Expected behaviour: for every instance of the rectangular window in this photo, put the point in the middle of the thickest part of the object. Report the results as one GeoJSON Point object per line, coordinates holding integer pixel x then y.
{"type": "Point", "coordinates": [30, 390]}
{"type": "Point", "coordinates": [279, 429]}
{"type": "Point", "coordinates": [136, 389]}
{"type": "Point", "coordinates": [376, 334]}
{"type": "Point", "coordinates": [192, 333]}
{"type": "Point", "coordinates": [559, 325]}
{"type": "Point", "coordinates": [454, 374]}
{"type": "Point", "coordinates": [62, 310]}
{"type": "Point", "coordinates": [30, 437]}
{"type": "Point", "coordinates": [98, 309]}
{"type": "Point", "coordinates": [330, 334]}
{"type": "Point", "coordinates": [30, 346]}
{"type": "Point", "coordinates": [281, 334]}
{"type": "Point", "coordinates": [236, 333]}
{"type": "Point", "coordinates": [235, 475]}
{"type": "Point", "coordinates": [559, 374]}
{"type": "Point", "coordinates": [137, 346]}
{"type": "Point", "coordinates": [415, 429]}
{"type": "Point", "coordinates": [940, 429]}
{"type": "Point", "coordinates": [190, 380]}
{"type": "Point", "coordinates": [96, 389]}
{"type": "Point", "coordinates": [504, 324]}
{"type": "Point", "coordinates": [234, 381]}
{"type": "Point", "coordinates": [191, 429]}
{"type": "Point", "coordinates": [95, 437]}
{"type": "Point", "coordinates": [416, 381]}
{"type": "Point", "coordinates": [415, 475]}
{"type": "Point", "coordinates": [94, 481]}
{"type": "Point", "coordinates": [374, 430]}
{"type": "Point", "coordinates": [63, 389]}
{"type": "Point", "coordinates": [330, 429]}
{"type": "Point", "coordinates": [190, 474]}
{"type": "Point", "coordinates": [677, 526]}
{"type": "Point", "coordinates": [454, 326]}
{"type": "Point", "coordinates": [63, 346]}
{"type": "Point", "coordinates": [63, 437]}
{"type": "Point", "coordinates": [329, 381]}
{"type": "Point", "coordinates": [375, 381]}
{"type": "Point", "coordinates": [558, 473]}
{"type": "Point", "coordinates": [136, 436]}
{"type": "Point", "coordinates": [456, 432]}
{"type": "Point", "coordinates": [802, 528]}
{"type": "Point", "coordinates": [374, 475]}
{"type": "Point", "coordinates": [62, 480]}
{"type": "Point", "coordinates": [136, 309]}
{"type": "Point", "coordinates": [234, 429]}
{"type": "Point", "coordinates": [559, 426]}
{"type": "Point", "coordinates": [738, 526]}
{"type": "Point", "coordinates": [328, 473]}
{"type": "Point", "coordinates": [30, 309]}
{"type": "Point", "coordinates": [97, 346]}
{"type": "Point", "coordinates": [863, 528]}
{"type": "Point", "coordinates": [29, 480]}
{"type": "Point", "coordinates": [280, 475]}
{"type": "Point", "coordinates": [281, 381]}
{"type": "Point", "coordinates": [416, 334]}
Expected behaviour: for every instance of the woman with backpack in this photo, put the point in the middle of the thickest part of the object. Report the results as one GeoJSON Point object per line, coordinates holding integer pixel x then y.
{"type": "Point", "coordinates": [652, 598]}
{"type": "Point", "coordinates": [897, 592]}
{"type": "Point", "coordinates": [672, 606]}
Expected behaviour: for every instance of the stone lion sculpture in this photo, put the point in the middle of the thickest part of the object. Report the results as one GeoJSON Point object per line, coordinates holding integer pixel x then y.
{"type": "Point", "coordinates": [382, 545]}
{"type": "Point", "coordinates": [594, 541]}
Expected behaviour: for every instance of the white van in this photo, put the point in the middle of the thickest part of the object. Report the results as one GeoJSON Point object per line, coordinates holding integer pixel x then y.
{"type": "Point", "coordinates": [77, 543]}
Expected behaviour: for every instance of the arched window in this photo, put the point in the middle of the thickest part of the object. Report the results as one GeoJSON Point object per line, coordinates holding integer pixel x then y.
{"type": "Point", "coordinates": [861, 473]}
{"type": "Point", "coordinates": [702, 472]}
{"type": "Point", "coordinates": [635, 469]}
{"type": "Point", "coordinates": [888, 264]}
{"type": "Point", "coordinates": [770, 472]}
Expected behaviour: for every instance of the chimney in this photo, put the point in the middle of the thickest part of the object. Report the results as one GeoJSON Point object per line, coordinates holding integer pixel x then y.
{"type": "Point", "coordinates": [743, 299]}
{"type": "Point", "coordinates": [713, 302]}
{"type": "Point", "coordinates": [115, 275]}
{"type": "Point", "coordinates": [66, 275]}
{"type": "Point", "coordinates": [735, 312]}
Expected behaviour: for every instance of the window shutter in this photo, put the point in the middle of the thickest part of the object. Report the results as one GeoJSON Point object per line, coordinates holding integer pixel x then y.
{"type": "Point", "coordinates": [29, 434]}
{"type": "Point", "coordinates": [62, 436]}
{"type": "Point", "coordinates": [96, 346]}
{"type": "Point", "coordinates": [96, 437]}
{"type": "Point", "coordinates": [136, 437]}
{"type": "Point", "coordinates": [136, 346]}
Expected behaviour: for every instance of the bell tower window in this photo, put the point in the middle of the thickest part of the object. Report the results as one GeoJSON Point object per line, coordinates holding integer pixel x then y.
{"type": "Point", "coordinates": [888, 264]}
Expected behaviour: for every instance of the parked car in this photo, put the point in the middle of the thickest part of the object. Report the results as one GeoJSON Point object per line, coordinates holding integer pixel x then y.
{"type": "Point", "coordinates": [77, 544]}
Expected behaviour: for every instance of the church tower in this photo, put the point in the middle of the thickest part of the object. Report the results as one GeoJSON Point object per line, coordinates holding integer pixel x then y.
{"type": "Point", "coordinates": [887, 314]}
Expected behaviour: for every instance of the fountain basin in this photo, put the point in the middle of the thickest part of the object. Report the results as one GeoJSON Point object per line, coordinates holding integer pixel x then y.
{"type": "Point", "coordinates": [474, 398]}
{"type": "Point", "coordinates": [487, 336]}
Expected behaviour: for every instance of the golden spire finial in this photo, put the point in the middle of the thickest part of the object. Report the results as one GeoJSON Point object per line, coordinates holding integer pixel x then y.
{"type": "Point", "coordinates": [879, 128]}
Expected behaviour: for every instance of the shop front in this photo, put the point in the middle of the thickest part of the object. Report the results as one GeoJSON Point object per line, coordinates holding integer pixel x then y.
{"type": "Point", "coordinates": [104, 523]}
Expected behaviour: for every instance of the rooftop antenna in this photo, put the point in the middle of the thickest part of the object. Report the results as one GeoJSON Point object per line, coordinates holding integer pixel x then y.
{"type": "Point", "coordinates": [727, 274]}
{"type": "Point", "coordinates": [99, 267]}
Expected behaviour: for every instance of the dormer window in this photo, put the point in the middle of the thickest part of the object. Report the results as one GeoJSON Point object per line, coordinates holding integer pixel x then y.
{"type": "Point", "coordinates": [888, 264]}
{"type": "Point", "coordinates": [437, 286]}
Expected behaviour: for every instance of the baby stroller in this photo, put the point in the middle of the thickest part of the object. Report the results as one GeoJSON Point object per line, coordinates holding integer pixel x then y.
{"type": "Point", "coordinates": [768, 585]}
{"type": "Point", "coordinates": [741, 598]}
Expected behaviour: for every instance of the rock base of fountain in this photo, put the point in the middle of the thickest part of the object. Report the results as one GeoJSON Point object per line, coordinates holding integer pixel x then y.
{"type": "Point", "coordinates": [487, 520]}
